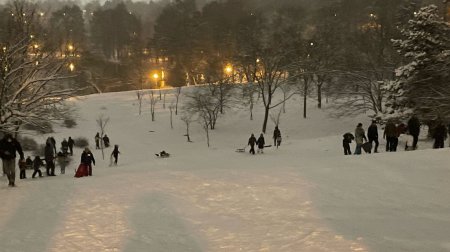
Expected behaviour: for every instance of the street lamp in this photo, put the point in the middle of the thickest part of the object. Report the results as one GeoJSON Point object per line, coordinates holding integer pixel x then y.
{"type": "Point", "coordinates": [71, 67]}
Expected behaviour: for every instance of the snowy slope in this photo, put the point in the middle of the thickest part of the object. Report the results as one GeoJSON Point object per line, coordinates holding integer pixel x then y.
{"type": "Point", "coordinates": [305, 196]}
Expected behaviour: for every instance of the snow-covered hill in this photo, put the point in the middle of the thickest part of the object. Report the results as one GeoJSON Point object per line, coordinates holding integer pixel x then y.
{"type": "Point", "coordinates": [304, 196]}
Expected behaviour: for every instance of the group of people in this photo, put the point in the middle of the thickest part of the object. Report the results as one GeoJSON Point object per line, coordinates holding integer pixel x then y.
{"type": "Point", "coordinates": [10, 147]}
{"type": "Point", "coordinates": [392, 133]}
{"type": "Point", "coordinates": [99, 140]}
{"type": "Point", "coordinates": [260, 142]}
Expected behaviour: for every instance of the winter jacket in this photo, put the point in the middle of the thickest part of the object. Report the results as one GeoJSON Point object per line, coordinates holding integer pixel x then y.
{"type": "Point", "coordinates": [440, 132]}
{"type": "Point", "coordinates": [115, 152]}
{"type": "Point", "coordinates": [348, 137]}
{"type": "Point", "coordinates": [252, 141]}
{"type": "Point", "coordinates": [390, 130]}
{"type": "Point", "coordinates": [372, 132]}
{"type": "Point", "coordinates": [70, 142]}
{"type": "Point", "coordinates": [260, 142]}
{"type": "Point", "coordinates": [22, 164]}
{"type": "Point", "coordinates": [49, 152]}
{"type": "Point", "coordinates": [8, 148]}
{"type": "Point", "coordinates": [360, 135]}
{"type": "Point", "coordinates": [37, 163]}
{"type": "Point", "coordinates": [87, 158]}
{"type": "Point", "coordinates": [414, 126]}
{"type": "Point", "coordinates": [276, 133]}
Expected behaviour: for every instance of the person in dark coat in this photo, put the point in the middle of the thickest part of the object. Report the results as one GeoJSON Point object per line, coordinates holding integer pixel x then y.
{"type": "Point", "coordinates": [277, 137]}
{"type": "Point", "coordinates": [440, 134]}
{"type": "Point", "coordinates": [260, 142]}
{"type": "Point", "coordinates": [106, 141]}
{"type": "Point", "coordinates": [37, 163]}
{"type": "Point", "coordinates": [414, 130]}
{"type": "Point", "coordinates": [372, 134]}
{"type": "Point", "coordinates": [49, 159]}
{"type": "Point", "coordinates": [252, 142]}
{"type": "Point", "coordinates": [70, 144]}
{"type": "Point", "coordinates": [348, 137]}
{"type": "Point", "coordinates": [88, 159]}
{"type": "Point", "coordinates": [391, 136]}
{"type": "Point", "coordinates": [64, 146]}
{"type": "Point", "coordinates": [97, 141]}
{"type": "Point", "coordinates": [8, 148]}
{"type": "Point", "coordinates": [115, 153]}
{"type": "Point", "coordinates": [53, 141]}
{"type": "Point", "coordinates": [22, 167]}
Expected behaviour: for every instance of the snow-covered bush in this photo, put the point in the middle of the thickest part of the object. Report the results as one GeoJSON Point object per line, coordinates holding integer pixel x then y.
{"type": "Point", "coordinates": [28, 144]}
{"type": "Point", "coordinates": [81, 142]}
{"type": "Point", "coordinates": [70, 123]}
{"type": "Point", "coordinates": [42, 128]}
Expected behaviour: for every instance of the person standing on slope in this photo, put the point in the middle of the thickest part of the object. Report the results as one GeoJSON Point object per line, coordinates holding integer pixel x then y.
{"type": "Point", "coordinates": [440, 134]}
{"type": "Point", "coordinates": [276, 137]}
{"type": "Point", "coordinates": [97, 141]}
{"type": "Point", "coordinates": [8, 148]}
{"type": "Point", "coordinates": [252, 142]}
{"type": "Point", "coordinates": [87, 158]}
{"type": "Point", "coordinates": [260, 142]}
{"type": "Point", "coordinates": [70, 143]}
{"type": "Point", "coordinates": [372, 134]}
{"type": "Point", "coordinates": [414, 130]}
{"type": "Point", "coordinates": [391, 136]}
{"type": "Point", "coordinates": [49, 159]}
{"type": "Point", "coordinates": [360, 138]}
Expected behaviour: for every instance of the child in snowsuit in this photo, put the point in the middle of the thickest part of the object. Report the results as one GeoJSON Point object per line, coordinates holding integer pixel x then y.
{"type": "Point", "coordinates": [37, 163]}
{"type": "Point", "coordinates": [251, 142]}
{"type": "Point", "coordinates": [22, 167]}
{"type": "Point", "coordinates": [115, 153]}
{"type": "Point", "coordinates": [260, 142]}
{"type": "Point", "coordinates": [29, 163]}
{"type": "Point", "coordinates": [348, 137]}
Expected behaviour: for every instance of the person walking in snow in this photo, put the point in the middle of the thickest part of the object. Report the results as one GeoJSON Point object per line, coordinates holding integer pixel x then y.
{"type": "Point", "coordinates": [391, 136]}
{"type": "Point", "coordinates": [97, 141]}
{"type": "Point", "coordinates": [252, 142]}
{"type": "Point", "coordinates": [414, 130]}
{"type": "Point", "coordinates": [115, 153]}
{"type": "Point", "coordinates": [37, 163]}
{"type": "Point", "coordinates": [440, 134]}
{"type": "Point", "coordinates": [260, 142]}
{"type": "Point", "coordinates": [70, 144]}
{"type": "Point", "coordinates": [277, 137]}
{"type": "Point", "coordinates": [87, 158]}
{"type": "Point", "coordinates": [49, 159]}
{"type": "Point", "coordinates": [360, 138]}
{"type": "Point", "coordinates": [8, 148]}
{"type": "Point", "coordinates": [372, 134]}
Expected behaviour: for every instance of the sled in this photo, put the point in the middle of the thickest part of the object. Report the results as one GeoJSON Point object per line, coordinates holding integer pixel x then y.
{"type": "Point", "coordinates": [367, 147]}
{"type": "Point", "coordinates": [267, 146]}
{"type": "Point", "coordinates": [82, 171]}
{"type": "Point", "coordinates": [163, 156]}
{"type": "Point", "coordinates": [241, 149]}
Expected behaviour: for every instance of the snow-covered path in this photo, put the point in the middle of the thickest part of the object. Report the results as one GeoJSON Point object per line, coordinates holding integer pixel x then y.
{"type": "Point", "coordinates": [304, 196]}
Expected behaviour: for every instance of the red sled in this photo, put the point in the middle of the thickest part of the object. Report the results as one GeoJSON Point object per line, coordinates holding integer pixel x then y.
{"type": "Point", "coordinates": [82, 171]}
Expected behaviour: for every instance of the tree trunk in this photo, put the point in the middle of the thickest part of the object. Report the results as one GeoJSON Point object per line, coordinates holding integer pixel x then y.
{"type": "Point", "coordinates": [319, 96]}
{"type": "Point", "coordinates": [305, 96]}
{"type": "Point", "coordinates": [266, 117]}
{"type": "Point", "coordinates": [171, 124]}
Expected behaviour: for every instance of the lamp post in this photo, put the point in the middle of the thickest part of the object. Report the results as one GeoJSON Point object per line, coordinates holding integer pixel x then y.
{"type": "Point", "coordinates": [229, 72]}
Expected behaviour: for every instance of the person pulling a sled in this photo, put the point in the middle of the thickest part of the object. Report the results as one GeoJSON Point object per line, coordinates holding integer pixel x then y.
{"type": "Point", "coordinates": [252, 142]}
{"type": "Point", "coordinates": [87, 158]}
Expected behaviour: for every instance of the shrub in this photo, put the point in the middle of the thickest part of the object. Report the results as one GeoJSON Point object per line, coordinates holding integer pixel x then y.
{"type": "Point", "coordinates": [70, 123]}
{"type": "Point", "coordinates": [42, 128]}
{"type": "Point", "coordinates": [28, 144]}
{"type": "Point", "coordinates": [81, 142]}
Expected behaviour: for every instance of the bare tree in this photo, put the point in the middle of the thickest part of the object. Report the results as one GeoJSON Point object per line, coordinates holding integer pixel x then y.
{"type": "Point", "coordinates": [171, 107]}
{"type": "Point", "coordinates": [248, 93]}
{"type": "Point", "coordinates": [140, 98]}
{"type": "Point", "coordinates": [205, 122]}
{"type": "Point", "coordinates": [276, 118]}
{"type": "Point", "coordinates": [164, 100]}
{"type": "Point", "coordinates": [205, 105]}
{"type": "Point", "coordinates": [223, 91]}
{"type": "Point", "coordinates": [153, 101]}
{"type": "Point", "coordinates": [102, 121]}
{"type": "Point", "coordinates": [177, 97]}
{"type": "Point", "coordinates": [187, 119]}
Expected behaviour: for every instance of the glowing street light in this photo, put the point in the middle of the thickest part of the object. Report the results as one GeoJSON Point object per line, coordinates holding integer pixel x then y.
{"type": "Point", "coordinates": [35, 46]}
{"type": "Point", "coordinates": [70, 47]}
{"type": "Point", "coordinates": [71, 67]}
{"type": "Point", "coordinates": [228, 69]}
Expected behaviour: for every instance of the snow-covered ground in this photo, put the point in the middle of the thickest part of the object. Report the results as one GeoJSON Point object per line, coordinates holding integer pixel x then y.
{"type": "Point", "coordinates": [304, 196]}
